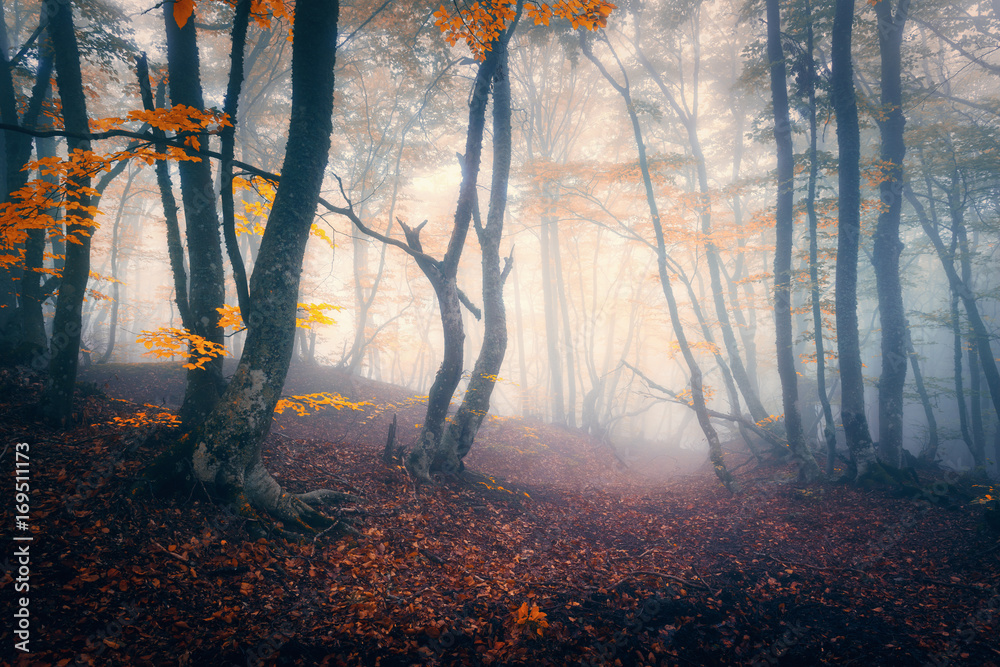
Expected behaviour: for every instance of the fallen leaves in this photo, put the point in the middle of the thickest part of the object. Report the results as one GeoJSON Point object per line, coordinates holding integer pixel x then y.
{"type": "Point", "coordinates": [676, 573]}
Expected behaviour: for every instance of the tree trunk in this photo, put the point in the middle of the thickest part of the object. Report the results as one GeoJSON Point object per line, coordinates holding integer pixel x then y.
{"type": "Point", "coordinates": [848, 238]}
{"type": "Point", "coordinates": [929, 452]}
{"type": "Point", "coordinates": [978, 448]}
{"type": "Point", "coordinates": [461, 433]}
{"type": "Point", "coordinates": [115, 239]}
{"type": "Point", "coordinates": [697, 389]}
{"type": "Point", "coordinates": [27, 337]}
{"type": "Point", "coordinates": [568, 345]}
{"type": "Point", "coordinates": [422, 459]}
{"type": "Point", "coordinates": [551, 318]}
{"type": "Point", "coordinates": [784, 232]}
{"type": "Point", "coordinates": [175, 250]}
{"type": "Point", "coordinates": [957, 344]}
{"type": "Point", "coordinates": [241, 20]}
{"type": "Point", "coordinates": [887, 244]}
{"type": "Point", "coordinates": [522, 364]}
{"type": "Point", "coordinates": [980, 334]}
{"type": "Point", "coordinates": [226, 448]}
{"type": "Point", "coordinates": [206, 292]}
{"type": "Point", "coordinates": [67, 324]}
{"type": "Point", "coordinates": [829, 429]}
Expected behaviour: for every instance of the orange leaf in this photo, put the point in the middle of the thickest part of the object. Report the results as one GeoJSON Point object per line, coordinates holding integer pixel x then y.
{"type": "Point", "coordinates": [182, 11]}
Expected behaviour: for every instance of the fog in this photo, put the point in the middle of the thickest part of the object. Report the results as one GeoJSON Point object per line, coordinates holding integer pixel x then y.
{"type": "Point", "coordinates": [591, 342]}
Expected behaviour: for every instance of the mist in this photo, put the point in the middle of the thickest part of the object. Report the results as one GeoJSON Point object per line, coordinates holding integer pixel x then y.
{"type": "Point", "coordinates": [546, 248]}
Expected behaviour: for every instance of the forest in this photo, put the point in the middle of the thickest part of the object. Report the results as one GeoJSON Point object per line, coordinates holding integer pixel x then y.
{"type": "Point", "coordinates": [500, 332]}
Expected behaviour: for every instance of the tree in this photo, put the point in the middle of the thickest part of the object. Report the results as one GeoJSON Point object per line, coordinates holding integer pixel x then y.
{"type": "Point", "coordinates": [206, 292]}
{"type": "Point", "coordinates": [808, 78]}
{"type": "Point", "coordinates": [486, 31]}
{"type": "Point", "coordinates": [22, 327]}
{"type": "Point", "coordinates": [784, 231]}
{"type": "Point", "coordinates": [225, 451]}
{"type": "Point", "coordinates": [688, 117]}
{"type": "Point", "coordinates": [69, 306]}
{"type": "Point", "coordinates": [461, 432]}
{"type": "Point", "coordinates": [887, 244]}
{"type": "Point", "coordinates": [848, 239]}
{"type": "Point", "coordinates": [428, 453]}
{"type": "Point", "coordinates": [697, 388]}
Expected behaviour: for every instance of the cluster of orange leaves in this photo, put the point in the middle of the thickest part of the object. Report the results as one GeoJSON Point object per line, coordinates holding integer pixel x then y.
{"type": "Point", "coordinates": [230, 317]}
{"type": "Point", "coordinates": [170, 341]}
{"type": "Point", "coordinates": [260, 10]}
{"type": "Point", "coordinates": [480, 23]}
{"type": "Point", "coordinates": [988, 495]}
{"type": "Point", "coordinates": [531, 619]}
{"type": "Point", "coordinates": [315, 402]}
{"type": "Point", "coordinates": [144, 418]}
{"type": "Point", "coordinates": [31, 206]}
{"type": "Point", "coordinates": [248, 222]}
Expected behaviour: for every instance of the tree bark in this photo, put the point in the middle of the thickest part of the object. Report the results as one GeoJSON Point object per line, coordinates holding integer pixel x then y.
{"type": "Point", "coordinates": [887, 244]}
{"type": "Point", "coordinates": [227, 447]}
{"type": "Point", "coordinates": [462, 430]}
{"type": "Point", "coordinates": [784, 232]}
{"type": "Point", "coordinates": [848, 238]}
{"type": "Point", "coordinates": [422, 459]}
{"type": "Point", "coordinates": [67, 323]}
{"type": "Point", "coordinates": [206, 293]}
{"type": "Point", "coordinates": [809, 84]}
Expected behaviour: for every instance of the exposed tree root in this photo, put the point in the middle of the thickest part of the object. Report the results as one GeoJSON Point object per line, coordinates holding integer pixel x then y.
{"type": "Point", "coordinates": [296, 511]}
{"type": "Point", "coordinates": [259, 497]}
{"type": "Point", "coordinates": [326, 497]}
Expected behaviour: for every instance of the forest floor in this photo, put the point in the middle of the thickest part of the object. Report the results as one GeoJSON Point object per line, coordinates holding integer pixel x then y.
{"type": "Point", "coordinates": [556, 557]}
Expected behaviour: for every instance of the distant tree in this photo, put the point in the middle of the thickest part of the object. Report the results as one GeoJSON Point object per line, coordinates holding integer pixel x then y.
{"type": "Point", "coordinates": [461, 432]}
{"type": "Point", "coordinates": [487, 33]}
{"type": "Point", "coordinates": [697, 391]}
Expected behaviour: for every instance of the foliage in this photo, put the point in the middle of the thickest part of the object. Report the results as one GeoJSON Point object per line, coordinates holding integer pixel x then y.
{"type": "Point", "coordinates": [316, 402]}
{"type": "Point", "coordinates": [154, 416]}
{"type": "Point", "coordinates": [314, 314]}
{"type": "Point", "coordinates": [469, 576]}
{"type": "Point", "coordinates": [480, 23]}
{"type": "Point", "coordinates": [31, 206]}
{"type": "Point", "coordinates": [530, 619]}
{"type": "Point", "coordinates": [260, 10]}
{"type": "Point", "coordinates": [170, 341]}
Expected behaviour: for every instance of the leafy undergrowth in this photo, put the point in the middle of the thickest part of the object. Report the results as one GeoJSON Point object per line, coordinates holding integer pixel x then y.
{"type": "Point", "coordinates": [527, 565]}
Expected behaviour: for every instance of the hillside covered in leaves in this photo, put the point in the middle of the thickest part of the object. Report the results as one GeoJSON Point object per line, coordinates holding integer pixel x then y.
{"type": "Point", "coordinates": [547, 552]}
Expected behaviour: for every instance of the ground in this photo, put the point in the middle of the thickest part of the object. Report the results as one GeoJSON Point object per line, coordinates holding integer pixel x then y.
{"type": "Point", "coordinates": [555, 556]}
